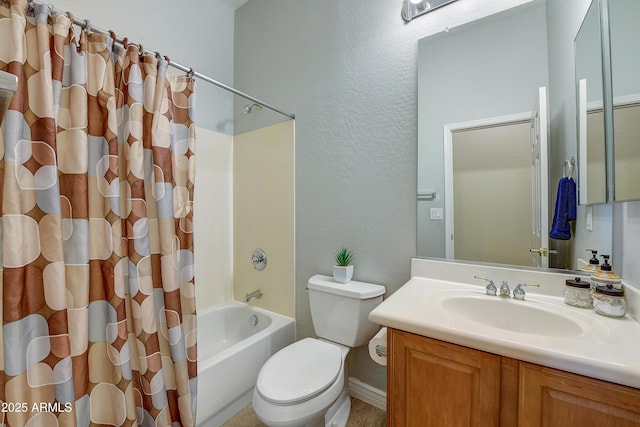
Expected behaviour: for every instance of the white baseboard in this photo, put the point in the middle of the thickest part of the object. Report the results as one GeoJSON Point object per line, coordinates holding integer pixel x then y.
{"type": "Point", "coordinates": [367, 393]}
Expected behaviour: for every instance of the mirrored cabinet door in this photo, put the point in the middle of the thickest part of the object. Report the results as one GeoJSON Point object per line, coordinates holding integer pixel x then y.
{"type": "Point", "coordinates": [624, 32]}
{"type": "Point", "coordinates": [591, 135]}
{"type": "Point", "coordinates": [607, 63]}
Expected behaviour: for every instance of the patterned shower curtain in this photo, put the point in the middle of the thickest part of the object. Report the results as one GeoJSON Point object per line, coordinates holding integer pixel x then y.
{"type": "Point", "coordinates": [98, 301]}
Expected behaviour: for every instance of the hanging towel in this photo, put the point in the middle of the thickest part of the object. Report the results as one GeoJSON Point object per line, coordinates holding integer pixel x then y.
{"type": "Point", "coordinates": [572, 200]}
{"type": "Point", "coordinates": [565, 209]}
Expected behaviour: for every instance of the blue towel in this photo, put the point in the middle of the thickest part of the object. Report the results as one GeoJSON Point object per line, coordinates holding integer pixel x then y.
{"type": "Point", "coordinates": [572, 202]}
{"type": "Point", "coordinates": [566, 207]}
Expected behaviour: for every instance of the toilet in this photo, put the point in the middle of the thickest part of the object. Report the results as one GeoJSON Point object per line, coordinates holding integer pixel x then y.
{"type": "Point", "coordinates": [305, 383]}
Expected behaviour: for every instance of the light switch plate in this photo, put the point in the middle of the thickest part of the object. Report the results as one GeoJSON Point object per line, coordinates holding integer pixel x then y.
{"type": "Point", "coordinates": [435, 213]}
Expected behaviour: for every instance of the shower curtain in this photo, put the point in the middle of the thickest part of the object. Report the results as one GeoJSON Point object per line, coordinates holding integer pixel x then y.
{"type": "Point", "coordinates": [98, 301]}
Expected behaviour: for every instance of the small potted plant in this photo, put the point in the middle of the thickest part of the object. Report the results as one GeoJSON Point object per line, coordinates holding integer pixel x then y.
{"type": "Point", "coordinates": [343, 270]}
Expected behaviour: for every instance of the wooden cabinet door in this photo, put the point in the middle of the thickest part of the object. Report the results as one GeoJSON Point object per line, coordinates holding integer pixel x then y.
{"type": "Point", "coordinates": [434, 383]}
{"type": "Point", "coordinates": [548, 397]}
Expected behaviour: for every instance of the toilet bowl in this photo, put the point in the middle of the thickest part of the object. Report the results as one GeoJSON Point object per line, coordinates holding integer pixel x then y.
{"type": "Point", "coordinates": [305, 383]}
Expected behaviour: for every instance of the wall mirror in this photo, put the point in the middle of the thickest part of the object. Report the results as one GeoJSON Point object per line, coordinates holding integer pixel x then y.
{"type": "Point", "coordinates": [478, 78]}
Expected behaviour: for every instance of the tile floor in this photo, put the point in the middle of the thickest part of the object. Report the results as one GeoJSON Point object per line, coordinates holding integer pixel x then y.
{"type": "Point", "coordinates": [362, 415]}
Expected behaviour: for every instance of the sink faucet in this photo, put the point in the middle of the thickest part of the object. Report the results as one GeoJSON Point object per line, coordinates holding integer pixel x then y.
{"type": "Point", "coordinates": [253, 295]}
{"type": "Point", "coordinates": [518, 292]}
{"type": "Point", "coordinates": [504, 289]}
{"type": "Point", "coordinates": [491, 287]}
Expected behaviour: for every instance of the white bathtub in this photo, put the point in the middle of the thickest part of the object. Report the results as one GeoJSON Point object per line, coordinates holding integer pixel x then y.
{"type": "Point", "coordinates": [231, 351]}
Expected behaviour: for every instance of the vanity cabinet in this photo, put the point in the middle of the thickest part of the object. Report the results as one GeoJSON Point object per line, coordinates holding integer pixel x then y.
{"type": "Point", "coordinates": [549, 397]}
{"type": "Point", "coordinates": [434, 383]}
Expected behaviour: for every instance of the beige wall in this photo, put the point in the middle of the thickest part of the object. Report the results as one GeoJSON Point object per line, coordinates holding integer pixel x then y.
{"type": "Point", "coordinates": [213, 218]}
{"type": "Point", "coordinates": [264, 215]}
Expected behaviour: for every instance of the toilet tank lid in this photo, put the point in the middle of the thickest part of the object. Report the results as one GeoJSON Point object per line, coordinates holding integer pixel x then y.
{"type": "Point", "coordinates": [353, 289]}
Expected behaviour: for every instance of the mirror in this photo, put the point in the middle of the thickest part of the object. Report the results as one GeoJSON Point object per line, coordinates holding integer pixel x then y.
{"type": "Point", "coordinates": [591, 136]}
{"type": "Point", "coordinates": [606, 57]}
{"type": "Point", "coordinates": [485, 71]}
{"type": "Point", "coordinates": [625, 69]}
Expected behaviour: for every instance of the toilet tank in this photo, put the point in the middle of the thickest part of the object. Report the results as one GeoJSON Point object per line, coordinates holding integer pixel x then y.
{"type": "Point", "coordinates": [340, 310]}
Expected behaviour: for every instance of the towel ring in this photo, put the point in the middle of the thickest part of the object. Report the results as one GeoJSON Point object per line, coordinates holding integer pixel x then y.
{"type": "Point", "coordinates": [569, 167]}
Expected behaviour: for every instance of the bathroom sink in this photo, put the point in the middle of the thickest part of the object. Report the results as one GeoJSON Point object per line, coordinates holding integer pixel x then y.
{"type": "Point", "coordinates": [542, 329]}
{"type": "Point", "coordinates": [515, 316]}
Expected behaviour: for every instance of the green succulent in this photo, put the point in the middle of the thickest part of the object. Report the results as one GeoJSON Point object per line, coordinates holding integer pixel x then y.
{"type": "Point", "coordinates": [344, 257]}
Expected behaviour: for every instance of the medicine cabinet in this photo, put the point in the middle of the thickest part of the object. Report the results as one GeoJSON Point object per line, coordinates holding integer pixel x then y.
{"type": "Point", "coordinates": [607, 64]}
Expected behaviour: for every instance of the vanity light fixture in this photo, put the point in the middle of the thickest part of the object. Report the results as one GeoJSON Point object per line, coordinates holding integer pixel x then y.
{"type": "Point", "coordinates": [415, 8]}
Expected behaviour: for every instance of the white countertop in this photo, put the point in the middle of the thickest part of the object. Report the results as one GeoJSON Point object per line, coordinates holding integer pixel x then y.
{"type": "Point", "coordinates": [606, 348]}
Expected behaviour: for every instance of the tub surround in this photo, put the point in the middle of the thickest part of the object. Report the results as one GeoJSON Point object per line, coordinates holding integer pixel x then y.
{"type": "Point", "coordinates": [263, 216]}
{"type": "Point", "coordinates": [213, 199]}
{"type": "Point", "coordinates": [606, 349]}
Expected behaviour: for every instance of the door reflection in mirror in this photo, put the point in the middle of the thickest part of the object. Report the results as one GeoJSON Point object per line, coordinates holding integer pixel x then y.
{"type": "Point", "coordinates": [492, 193]}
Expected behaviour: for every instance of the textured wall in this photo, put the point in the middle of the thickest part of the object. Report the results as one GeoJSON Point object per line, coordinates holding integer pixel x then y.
{"type": "Point", "coordinates": [626, 240]}
{"type": "Point", "coordinates": [627, 215]}
{"type": "Point", "coordinates": [348, 70]}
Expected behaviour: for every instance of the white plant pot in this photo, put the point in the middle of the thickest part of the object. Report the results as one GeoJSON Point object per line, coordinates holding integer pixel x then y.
{"type": "Point", "coordinates": [342, 274]}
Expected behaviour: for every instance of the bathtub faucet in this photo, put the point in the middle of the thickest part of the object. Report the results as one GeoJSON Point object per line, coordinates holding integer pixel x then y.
{"type": "Point", "coordinates": [253, 295]}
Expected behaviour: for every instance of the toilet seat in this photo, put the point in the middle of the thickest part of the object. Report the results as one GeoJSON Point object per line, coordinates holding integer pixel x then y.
{"type": "Point", "coordinates": [299, 372]}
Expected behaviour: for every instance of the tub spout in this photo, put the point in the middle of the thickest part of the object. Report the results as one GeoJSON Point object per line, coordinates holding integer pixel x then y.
{"type": "Point", "coordinates": [253, 295]}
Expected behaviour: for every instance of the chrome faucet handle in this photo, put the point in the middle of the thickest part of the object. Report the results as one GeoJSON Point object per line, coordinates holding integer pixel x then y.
{"type": "Point", "coordinates": [504, 289]}
{"type": "Point", "coordinates": [490, 288]}
{"type": "Point", "coordinates": [519, 293]}
{"type": "Point", "coordinates": [259, 259]}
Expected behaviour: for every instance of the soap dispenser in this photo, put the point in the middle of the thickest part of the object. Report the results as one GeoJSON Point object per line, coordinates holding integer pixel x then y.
{"type": "Point", "coordinates": [594, 262]}
{"type": "Point", "coordinates": [605, 276]}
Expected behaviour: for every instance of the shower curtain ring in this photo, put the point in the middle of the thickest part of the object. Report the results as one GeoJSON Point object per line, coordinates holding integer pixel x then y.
{"type": "Point", "coordinates": [87, 25]}
{"type": "Point", "coordinates": [190, 73]}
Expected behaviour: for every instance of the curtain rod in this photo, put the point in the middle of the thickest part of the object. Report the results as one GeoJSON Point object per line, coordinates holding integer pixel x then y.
{"type": "Point", "coordinates": [87, 25]}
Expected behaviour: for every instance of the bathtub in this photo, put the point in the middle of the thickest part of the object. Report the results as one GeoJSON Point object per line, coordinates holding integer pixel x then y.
{"type": "Point", "coordinates": [234, 341]}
